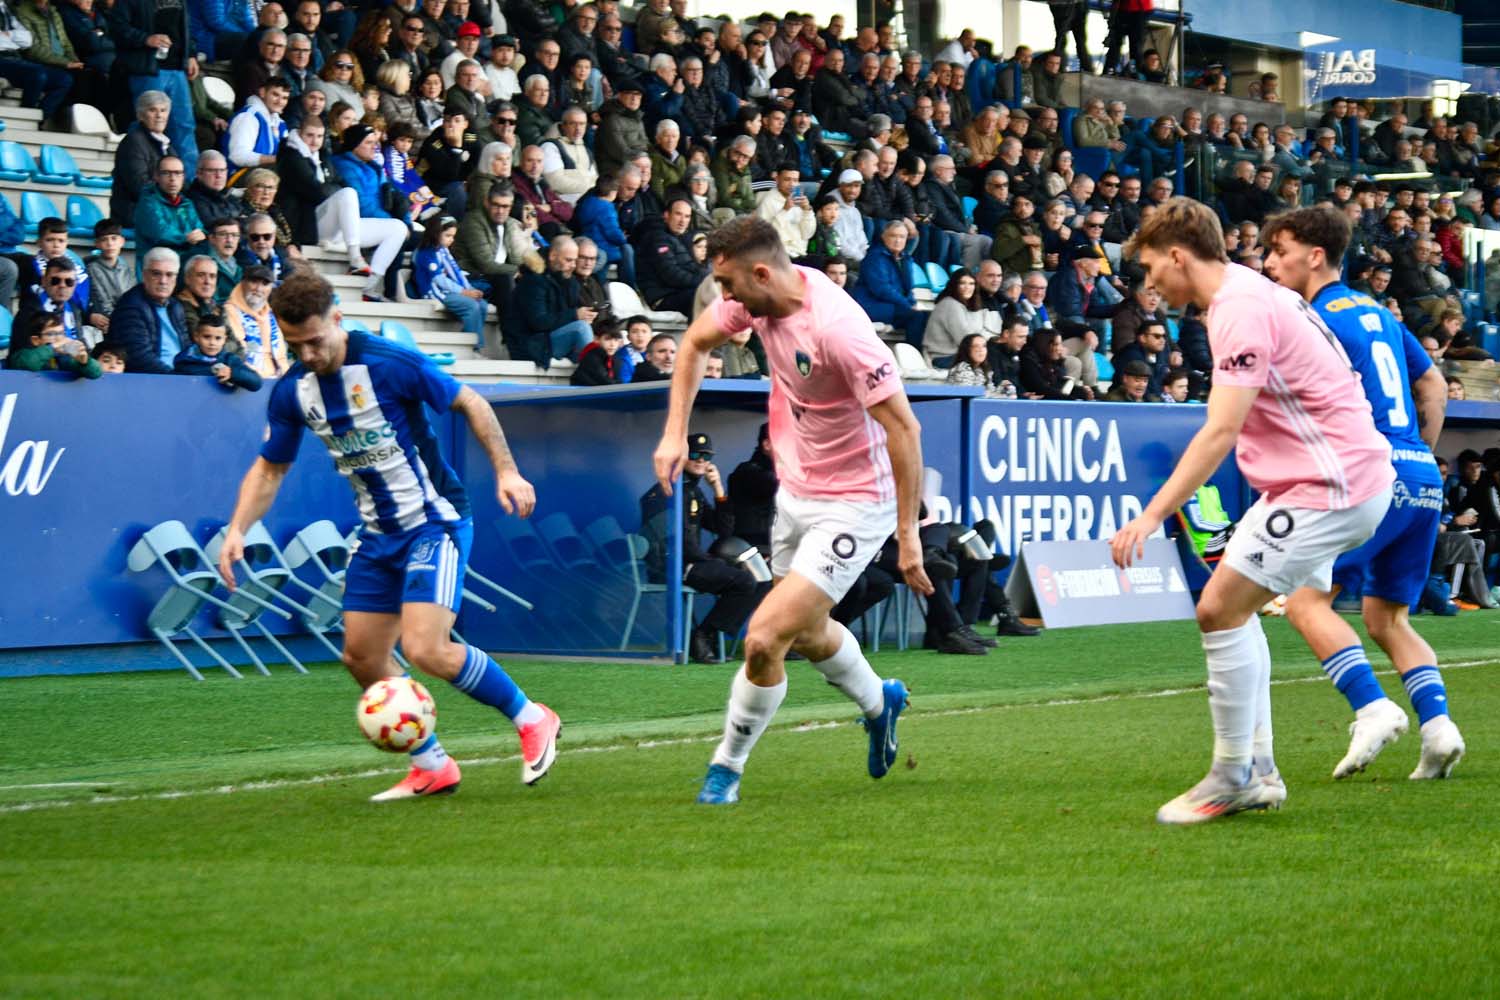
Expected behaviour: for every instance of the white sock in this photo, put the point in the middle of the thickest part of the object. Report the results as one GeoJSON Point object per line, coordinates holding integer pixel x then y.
{"type": "Point", "coordinates": [1265, 757]}
{"type": "Point", "coordinates": [1234, 674]}
{"type": "Point", "coordinates": [751, 709]}
{"type": "Point", "coordinates": [851, 673]}
{"type": "Point", "coordinates": [529, 713]}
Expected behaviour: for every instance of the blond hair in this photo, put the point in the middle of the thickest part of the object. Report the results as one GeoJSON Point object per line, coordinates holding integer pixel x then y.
{"type": "Point", "coordinates": [1181, 222]}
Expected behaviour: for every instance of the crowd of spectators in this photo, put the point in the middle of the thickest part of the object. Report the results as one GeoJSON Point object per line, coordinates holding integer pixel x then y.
{"type": "Point", "coordinates": [525, 153]}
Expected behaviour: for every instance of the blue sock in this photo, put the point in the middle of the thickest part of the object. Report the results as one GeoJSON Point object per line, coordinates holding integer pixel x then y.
{"type": "Point", "coordinates": [1349, 669]}
{"type": "Point", "coordinates": [430, 755]}
{"type": "Point", "coordinates": [487, 683]}
{"type": "Point", "coordinates": [1424, 686]}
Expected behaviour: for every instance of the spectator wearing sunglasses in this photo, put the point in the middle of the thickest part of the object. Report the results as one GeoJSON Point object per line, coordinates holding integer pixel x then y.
{"type": "Point", "coordinates": [59, 280]}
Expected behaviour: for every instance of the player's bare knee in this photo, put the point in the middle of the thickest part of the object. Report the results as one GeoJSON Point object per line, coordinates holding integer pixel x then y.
{"type": "Point", "coordinates": [432, 655]}
{"type": "Point", "coordinates": [764, 645]}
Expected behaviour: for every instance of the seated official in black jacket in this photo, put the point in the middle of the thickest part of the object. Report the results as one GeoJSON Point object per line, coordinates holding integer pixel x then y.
{"type": "Point", "coordinates": [736, 591]}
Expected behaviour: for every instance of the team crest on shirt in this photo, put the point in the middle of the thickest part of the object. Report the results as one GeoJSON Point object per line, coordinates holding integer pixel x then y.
{"type": "Point", "coordinates": [804, 364]}
{"type": "Point", "coordinates": [357, 396]}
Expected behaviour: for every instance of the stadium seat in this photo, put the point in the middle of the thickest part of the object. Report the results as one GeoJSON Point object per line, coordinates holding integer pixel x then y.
{"type": "Point", "coordinates": [937, 278]}
{"type": "Point", "coordinates": [89, 120]}
{"type": "Point", "coordinates": [391, 330]}
{"type": "Point", "coordinates": [320, 546]}
{"type": "Point", "coordinates": [266, 577]}
{"type": "Point", "coordinates": [917, 275]}
{"type": "Point", "coordinates": [58, 161]}
{"type": "Point", "coordinates": [626, 302]}
{"type": "Point", "coordinates": [15, 163]}
{"type": "Point", "coordinates": [5, 325]}
{"type": "Point", "coordinates": [1065, 119]}
{"type": "Point", "coordinates": [3, 125]}
{"type": "Point", "coordinates": [567, 545]}
{"type": "Point", "coordinates": [913, 365]}
{"type": "Point", "coordinates": [970, 203]}
{"type": "Point", "coordinates": [82, 216]}
{"type": "Point", "coordinates": [1092, 160]}
{"type": "Point", "coordinates": [14, 160]}
{"type": "Point", "coordinates": [831, 136]}
{"type": "Point", "coordinates": [403, 286]}
{"type": "Point", "coordinates": [1104, 366]}
{"type": "Point", "coordinates": [355, 326]}
{"type": "Point", "coordinates": [35, 207]}
{"type": "Point", "coordinates": [219, 90]}
{"type": "Point", "coordinates": [169, 547]}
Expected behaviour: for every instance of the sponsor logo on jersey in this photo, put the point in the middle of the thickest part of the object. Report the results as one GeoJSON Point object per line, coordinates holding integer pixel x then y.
{"type": "Point", "coordinates": [879, 375]}
{"type": "Point", "coordinates": [1238, 362]}
{"type": "Point", "coordinates": [804, 364]}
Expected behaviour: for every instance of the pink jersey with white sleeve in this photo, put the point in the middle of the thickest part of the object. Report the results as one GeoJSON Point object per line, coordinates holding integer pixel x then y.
{"type": "Point", "coordinates": [1309, 439]}
{"type": "Point", "coordinates": [827, 369]}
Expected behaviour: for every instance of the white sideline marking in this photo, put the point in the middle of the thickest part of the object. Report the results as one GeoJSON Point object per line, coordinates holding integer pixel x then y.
{"type": "Point", "coordinates": [804, 727]}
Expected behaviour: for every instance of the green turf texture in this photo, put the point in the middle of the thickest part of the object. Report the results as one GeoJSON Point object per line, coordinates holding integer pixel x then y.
{"type": "Point", "coordinates": [1012, 852]}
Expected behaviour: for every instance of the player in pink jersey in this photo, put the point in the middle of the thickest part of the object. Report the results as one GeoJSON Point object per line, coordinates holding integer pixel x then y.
{"type": "Point", "coordinates": [1285, 393]}
{"type": "Point", "coordinates": [849, 456]}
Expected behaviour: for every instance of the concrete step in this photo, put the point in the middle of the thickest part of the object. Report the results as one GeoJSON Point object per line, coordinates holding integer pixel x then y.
{"type": "Point", "coordinates": [509, 371]}
{"type": "Point", "coordinates": [75, 144]}
{"type": "Point", "coordinates": [12, 112]}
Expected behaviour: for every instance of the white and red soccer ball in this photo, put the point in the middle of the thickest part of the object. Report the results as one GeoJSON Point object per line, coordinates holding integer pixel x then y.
{"type": "Point", "coordinates": [396, 714]}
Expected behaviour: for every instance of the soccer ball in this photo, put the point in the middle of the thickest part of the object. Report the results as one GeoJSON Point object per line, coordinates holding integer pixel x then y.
{"type": "Point", "coordinates": [396, 714]}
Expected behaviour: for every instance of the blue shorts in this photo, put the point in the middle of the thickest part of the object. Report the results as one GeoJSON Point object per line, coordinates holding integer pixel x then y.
{"type": "Point", "coordinates": [423, 566]}
{"type": "Point", "coordinates": [1394, 564]}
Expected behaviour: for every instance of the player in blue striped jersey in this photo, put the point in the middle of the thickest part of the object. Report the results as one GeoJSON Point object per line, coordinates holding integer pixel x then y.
{"type": "Point", "coordinates": [1408, 397]}
{"type": "Point", "coordinates": [363, 397]}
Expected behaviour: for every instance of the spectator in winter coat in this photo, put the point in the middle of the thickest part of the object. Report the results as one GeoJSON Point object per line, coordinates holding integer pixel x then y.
{"type": "Point", "coordinates": [163, 217]}
{"type": "Point", "coordinates": [546, 320]}
{"type": "Point", "coordinates": [148, 323]}
{"type": "Point", "coordinates": [437, 276]}
{"type": "Point", "coordinates": [1150, 349]}
{"type": "Point", "coordinates": [622, 129]}
{"type": "Point", "coordinates": [596, 362]}
{"type": "Point", "coordinates": [567, 164]}
{"type": "Point", "coordinates": [884, 289]}
{"type": "Point", "coordinates": [250, 321]}
{"type": "Point", "coordinates": [669, 270]}
{"type": "Point", "coordinates": [731, 174]}
{"type": "Point", "coordinates": [849, 225]}
{"type": "Point", "coordinates": [595, 217]}
{"type": "Point", "coordinates": [144, 145]}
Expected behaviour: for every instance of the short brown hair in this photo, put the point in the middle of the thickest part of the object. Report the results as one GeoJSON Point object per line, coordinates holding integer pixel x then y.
{"type": "Point", "coordinates": [303, 295]}
{"type": "Point", "coordinates": [1315, 226]}
{"type": "Point", "coordinates": [746, 237]}
{"type": "Point", "coordinates": [1181, 222]}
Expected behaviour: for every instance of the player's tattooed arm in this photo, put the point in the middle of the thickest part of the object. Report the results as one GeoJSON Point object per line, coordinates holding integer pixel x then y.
{"type": "Point", "coordinates": [1430, 394]}
{"type": "Point", "coordinates": [516, 495]}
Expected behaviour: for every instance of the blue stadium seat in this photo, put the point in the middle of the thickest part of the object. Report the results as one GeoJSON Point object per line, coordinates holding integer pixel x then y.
{"type": "Point", "coordinates": [60, 162]}
{"type": "Point", "coordinates": [843, 137]}
{"type": "Point", "coordinates": [1065, 119]}
{"type": "Point", "coordinates": [1092, 160]}
{"type": "Point", "coordinates": [937, 278]}
{"type": "Point", "coordinates": [917, 275]}
{"type": "Point", "coordinates": [82, 216]}
{"type": "Point", "coordinates": [15, 159]}
{"type": "Point", "coordinates": [35, 207]}
{"type": "Point", "coordinates": [5, 324]}
{"type": "Point", "coordinates": [355, 326]}
{"type": "Point", "coordinates": [969, 205]}
{"type": "Point", "coordinates": [391, 330]}
{"type": "Point", "coordinates": [15, 162]}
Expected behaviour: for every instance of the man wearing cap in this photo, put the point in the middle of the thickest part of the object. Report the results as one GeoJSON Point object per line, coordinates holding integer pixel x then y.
{"type": "Point", "coordinates": [249, 319]}
{"type": "Point", "coordinates": [1152, 350]}
{"type": "Point", "coordinates": [448, 157]}
{"type": "Point", "coordinates": [500, 70]}
{"type": "Point", "coordinates": [622, 129]}
{"type": "Point", "coordinates": [1030, 176]}
{"type": "Point", "coordinates": [735, 588]}
{"type": "Point", "coordinates": [854, 243]}
{"type": "Point", "coordinates": [1130, 386]}
{"type": "Point", "coordinates": [466, 46]}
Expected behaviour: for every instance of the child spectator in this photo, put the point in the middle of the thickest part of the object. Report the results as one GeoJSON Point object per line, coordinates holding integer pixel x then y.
{"type": "Point", "coordinates": [595, 217]}
{"type": "Point", "coordinates": [108, 278]}
{"type": "Point", "coordinates": [825, 239]}
{"type": "Point", "coordinates": [596, 362]}
{"type": "Point", "coordinates": [52, 242]}
{"type": "Point", "coordinates": [111, 357]}
{"type": "Point", "coordinates": [438, 276]}
{"type": "Point", "coordinates": [402, 172]}
{"type": "Point", "coordinates": [47, 348]}
{"type": "Point", "coordinates": [206, 355]}
{"type": "Point", "coordinates": [637, 336]}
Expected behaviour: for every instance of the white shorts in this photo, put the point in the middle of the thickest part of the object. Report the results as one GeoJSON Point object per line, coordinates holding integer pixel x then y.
{"type": "Point", "coordinates": [1283, 548]}
{"type": "Point", "coordinates": [830, 542]}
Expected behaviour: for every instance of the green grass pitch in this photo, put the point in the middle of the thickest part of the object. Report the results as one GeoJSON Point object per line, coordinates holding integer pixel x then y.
{"type": "Point", "coordinates": [164, 838]}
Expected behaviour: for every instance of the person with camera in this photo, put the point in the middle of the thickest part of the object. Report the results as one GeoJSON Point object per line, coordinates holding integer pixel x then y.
{"type": "Point", "coordinates": [735, 587]}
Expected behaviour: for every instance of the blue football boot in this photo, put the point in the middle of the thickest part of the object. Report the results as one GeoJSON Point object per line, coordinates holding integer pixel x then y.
{"type": "Point", "coordinates": [721, 786]}
{"type": "Point", "coordinates": [882, 728]}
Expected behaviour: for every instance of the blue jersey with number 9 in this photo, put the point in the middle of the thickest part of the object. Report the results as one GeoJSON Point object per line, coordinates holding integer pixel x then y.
{"type": "Point", "coordinates": [1388, 359]}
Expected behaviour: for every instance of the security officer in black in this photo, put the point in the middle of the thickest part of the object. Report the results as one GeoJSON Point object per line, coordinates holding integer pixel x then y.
{"type": "Point", "coordinates": [735, 588]}
{"type": "Point", "coordinates": [448, 157]}
{"type": "Point", "coordinates": [668, 273]}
